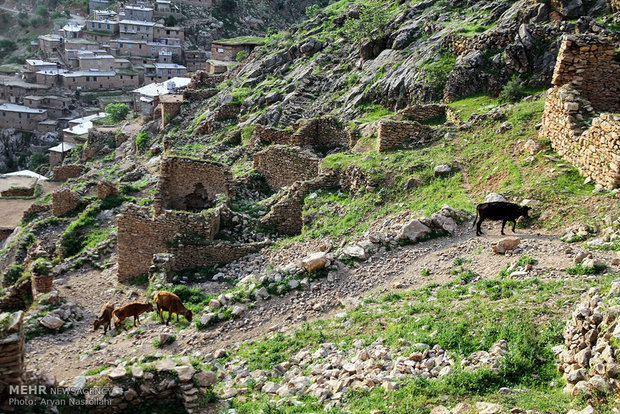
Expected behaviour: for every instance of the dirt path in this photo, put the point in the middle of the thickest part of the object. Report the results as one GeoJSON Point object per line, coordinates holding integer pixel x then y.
{"type": "Point", "coordinates": [401, 268]}
{"type": "Point", "coordinates": [12, 210]}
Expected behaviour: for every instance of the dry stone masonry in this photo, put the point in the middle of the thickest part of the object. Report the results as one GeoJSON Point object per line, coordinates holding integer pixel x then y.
{"type": "Point", "coordinates": [64, 201]}
{"type": "Point", "coordinates": [587, 81]}
{"type": "Point", "coordinates": [11, 349]}
{"type": "Point", "coordinates": [64, 172]}
{"type": "Point", "coordinates": [282, 165]}
{"type": "Point", "coordinates": [589, 359]}
{"type": "Point", "coordinates": [187, 184]}
{"type": "Point", "coordinates": [394, 133]}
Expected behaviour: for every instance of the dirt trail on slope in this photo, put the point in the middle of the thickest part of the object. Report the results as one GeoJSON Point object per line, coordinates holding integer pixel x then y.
{"type": "Point", "coordinates": [400, 268]}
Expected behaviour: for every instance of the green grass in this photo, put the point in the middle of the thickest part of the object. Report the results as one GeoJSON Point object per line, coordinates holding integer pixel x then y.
{"type": "Point", "coordinates": [476, 103]}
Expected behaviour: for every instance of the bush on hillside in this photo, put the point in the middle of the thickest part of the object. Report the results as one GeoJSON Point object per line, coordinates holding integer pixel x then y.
{"type": "Point", "coordinates": [513, 91]}
{"type": "Point", "coordinates": [117, 111]}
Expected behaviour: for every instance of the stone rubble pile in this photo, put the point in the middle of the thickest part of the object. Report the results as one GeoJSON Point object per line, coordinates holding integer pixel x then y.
{"type": "Point", "coordinates": [491, 359]}
{"type": "Point", "coordinates": [65, 316]}
{"type": "Point", "coordinates": [328, 372]}
{"type": "Point", "coordinates": [588, 360]}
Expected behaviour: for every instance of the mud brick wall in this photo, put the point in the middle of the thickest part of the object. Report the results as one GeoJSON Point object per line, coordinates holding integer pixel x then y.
{"type": "Point", "coordinates": [267, 135]}
{"type": "Point", "coordinates": [140, 236]}
{"type": "Point", "coordinates": [210, 254]}
{"type": "Point", "coordinates": [187, 184]}
{"type": "Point", "coordinates": [282, 165]}
{"type": "Point", "coordinates": [587, 62]}
{"type": "Point", "coordinates": [420, 113]}
{"type": "Point", "coordinates": [64, 172]}
{"type": "Point", "coordinates": [593, 148]}
{"type": "Point", "coordinates": [321, 133]}
{"type": "Point", "coordinates": [395, 133]}
{"type": "Point", "coordinates": [106, 189]}
{"type": "Point", "coordinates": [63, 201]}
{"type": "Point", "coordinates": [11, 350]}
{"type": "Point", "coordinates": [285, 215]}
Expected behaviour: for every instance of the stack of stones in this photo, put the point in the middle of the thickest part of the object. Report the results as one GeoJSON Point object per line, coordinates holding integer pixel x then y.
{"type": "Point", "coordinates": [328, 372]}
{"type": "Point", "coordinates": [11, 349]}
{"type": "Point", "coordinates": [588, 359]}
{"type": "Point", "coordinates": [491, 359]}
{"type": "Point", "coordinates": [63, 201]}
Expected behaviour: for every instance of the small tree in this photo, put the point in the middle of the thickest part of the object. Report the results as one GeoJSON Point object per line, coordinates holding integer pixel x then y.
{"type": "Point", "coordinates": [313, 11]}
{"type": "Point", "coordinates": [43, 12]}
{"type": "Point", "coordinates": [242, 55]}
{"type": "Point", "coordinates": [513, 91]}
{"type": "Point", "coordinates": [372, 23]}
{"type": "Point", "coordinates": [117, 111]}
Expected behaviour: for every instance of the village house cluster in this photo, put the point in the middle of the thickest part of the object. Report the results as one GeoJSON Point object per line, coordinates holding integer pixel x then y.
{"type": "Point", "coordinates": [120, 53]}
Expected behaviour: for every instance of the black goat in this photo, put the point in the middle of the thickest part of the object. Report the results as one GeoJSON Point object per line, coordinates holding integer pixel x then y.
{"type": "Point", "coordinates": [499, 210]}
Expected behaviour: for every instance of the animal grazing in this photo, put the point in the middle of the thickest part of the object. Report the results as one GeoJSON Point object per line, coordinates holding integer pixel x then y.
{"type": "Point", "coordinates": [167, 301]}
{"type": "Point", "coordinates": [104, 318]}
{"type": "Point", "coordinates": [499, 210]}
{"type": "Point", "coordinates": [131, 309]}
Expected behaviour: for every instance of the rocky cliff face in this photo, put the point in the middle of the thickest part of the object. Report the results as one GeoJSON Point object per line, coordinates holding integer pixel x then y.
{"type": "Point", "coordinates": [16, 147]}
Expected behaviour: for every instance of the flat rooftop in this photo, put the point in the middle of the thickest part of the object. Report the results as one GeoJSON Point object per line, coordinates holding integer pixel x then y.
{"type": "Point", "coordinates": [8, 107]}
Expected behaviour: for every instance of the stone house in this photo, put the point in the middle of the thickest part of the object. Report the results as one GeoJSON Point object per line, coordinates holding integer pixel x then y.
{"type": "Point", "coordinates": [227, 49]}
{"type": "Point", "coordinates": [50, 44]}
{"type": "Point", "coordinates": [137, 12]}
{"type": "Point", "coordinates": [105, 26]}
{"type": "Point", "coordinates": [92, 79]}
{"type": "Point", "coordinates": [77, 133]}
{"type": "Point", "coordinates": [72, 30]}
{"type": "Point", "coordinates": [50, 77]}
{"type": "Point", "coordinates": [56, 106]}
{"type": "Point", "coordinates": [35, 65]}
{"type": "Point", "coordinates": [58, 153]}
{"type": "Point", "coordinates": [21, 117]}
{"type": "Point", "coordinates": [137, 30]}
{"type": "Point", "coordinates": [163, 8]}
{"type": "Point", "coordinates": [14, 89]}
{"type": "Point", "coordinates": [195, 60]}
{"type": "Point", "coordinates": [166, 71]}
{"type": "Point", "coordinates": [162, 32]}
{"type": "Point", "coordinates": [98, 62]}
{"type": "Point", "coordinates": [146, 98]}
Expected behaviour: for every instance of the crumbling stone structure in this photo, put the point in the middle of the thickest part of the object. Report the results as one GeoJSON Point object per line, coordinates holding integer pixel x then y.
{"type": "Point", "coordinates": [321, 133]}
{"type": "Point", "coordinates": [63, 201]}
{"type": "Point", "coordinates": [587, 63]}
{"type": "Point", "coordinates": [106, 189]}
{"type": "Point", "coordinates": [587, 81]}
{"type": "Point", "coordinates": [192, 95]}
{"type": "Point", "coordinates": [5, 232]}
{"type": "Point", "coordinates": [263, 134]}
{"type": "Point", "coordinates": [12, 350]}
{"type": "Point", "coordinates": [224, 112]}
{"type": "Point", "coordinates": [420, 113]}
{"type": "Point", "coordinates": [394, 133]}
{"type": "Point", "coordinates": [140, 236]}
{"type": "Point", "coordinates": [285, 215]}
{"type": "Point", "coordinates": [187, 184]}
{"type": "Point", "coordinates": [282, 165]}
{"type": "Point", "coordinates": [170, 107]}
{"type": "Point", "coordinates": [64, 172]}
{"type": "Point", "coordinates": [18, 192]}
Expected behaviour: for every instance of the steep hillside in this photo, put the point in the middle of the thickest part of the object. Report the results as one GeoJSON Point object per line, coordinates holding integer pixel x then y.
{"type": "Point", "coordinates": [344, 159]}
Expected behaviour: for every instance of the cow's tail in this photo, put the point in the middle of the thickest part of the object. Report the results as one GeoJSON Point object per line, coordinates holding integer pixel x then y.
{"type": "Point", "coordinates": [476, 219]}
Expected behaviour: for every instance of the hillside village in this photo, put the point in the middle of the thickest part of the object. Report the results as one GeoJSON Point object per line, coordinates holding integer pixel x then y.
{"type": "Point", "coordinates": [309, 198]}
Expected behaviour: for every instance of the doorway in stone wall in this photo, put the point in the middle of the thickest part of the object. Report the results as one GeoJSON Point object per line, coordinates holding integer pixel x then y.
{"type": "Point", "coordinates": [198, 199]}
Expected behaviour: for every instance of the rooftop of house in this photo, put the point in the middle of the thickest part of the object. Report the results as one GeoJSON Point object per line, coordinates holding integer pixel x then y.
{"type": "Point", "coordinates": [92, 72]}
{"type": "Point", "coordinates": [96, 57]}
{"type": "Point", "coordinates": [38, 62]}
{"type": "Point", "coordinates": [52, 37]}
{"type": "Point", "coordinates": [72, 27]}
{"type": "Point", "coordinates": [88, 118]}
{"type": "Point", "coordinates": [8, 107]}
{"type": "Point", "coordinates": [12, 81]}
{"type": "Point", "coordinates": [163, 88]}
{"type": "Point", "coordinates": [168, 66]}
{"type": "Point", "coordinates": [141, 23]}
{"type": "Point", "coordinates": [62, 147]}
{"type": "Point", "coordinates": [52, 71]}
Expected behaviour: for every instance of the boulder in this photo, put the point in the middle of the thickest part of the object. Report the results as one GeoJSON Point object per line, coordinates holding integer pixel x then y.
{"type": "Point", "coordinates": [51, 322]}
{"type": "Point", "coordinates": [494, 197]}
{"type": "Point", "coordinates": [206, 378]}
{"type": "Point", "coordinates": [444, 223]}
{"type": "Point", "coordinates": [506, 244]}
{"type": "Point", "coordinates": [117, 373]}
{"type": "Point", "coordinates": [413, 231]}
{"type": "Point", "coordinates": [568, 8]}
{"type": "Point", "coordinates": [355, 251]}
{"type": "Point", "coordinates": [442, 170]}
{"type": "Point", "coordinates": [314, 262]}
{"type": "Point", "coordinates": [207, 317]}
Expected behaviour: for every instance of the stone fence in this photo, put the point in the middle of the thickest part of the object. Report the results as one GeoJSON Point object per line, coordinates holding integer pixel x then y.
{"type": "Point", "coordinates": [63, 201]}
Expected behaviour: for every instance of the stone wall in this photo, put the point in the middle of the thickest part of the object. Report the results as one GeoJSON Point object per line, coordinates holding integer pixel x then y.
{"type": "Point", "coordinates": [420, 113]}
{"type": "Point", "coordinates": [282, 165]}
{"type": "Point", "coordinates": [593, 149]}
{"type": "Point", "coordinates": [64, 172]}
{"type": "Point", "coordinates": [141, 235]}
{"type": "Point", "coordinates": [192, 95]}
{"type": "Point", "coordinates": [321, 133]}
{"type": "Point", "coordinates": [106, 189]}
{"type": "Point", "coordinates": [12, 350]}
{"type": "Point", "coordinates": [395, 133]}
{"type": "Point", "coordinates": [63, 201]}
{"type": "Point", "coordinates": [587, 81]}
{"type": "Point", "coordinates": [587, 62]}
{"type": "Point", "coordinates": [18, 192]}
{"type": "Point", "coordinates": [224, 112]}
{"type": "Point", "coordinates": [14, 296]}
{"type": "Point", "coordinates": [285, 215]}
{"type": "Point", "coordinates": [187, 184]}
{"type": "Point", "coordinates": [210, 254]}
{"type": "Point", "coordinates": [267, 135]}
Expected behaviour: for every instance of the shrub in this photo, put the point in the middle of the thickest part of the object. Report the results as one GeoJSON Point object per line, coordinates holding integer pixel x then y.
{"type": "Point", "coordinates": [142, 141]}
{"type": "Point", "coordinates": [312, 11]}
{"type": "Point", "coordinates": [43, 12]}
{"type": "Point", "coordinates": [41, 266]}
{"type": "Point", "coordinates": [117, 111]}
{"type": "Point", "coordinates": [241, 56]}
{"type": "Point", "coordinates": [168, 341]}
{"type": "Point", "coordinates": [37, 161]}
{"type": "Point", "coordinates": [513, 91]}
{"type": "Point", "coordinates": [372, 23]}
{"type": "Point", "coordinates": [12, 274]}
